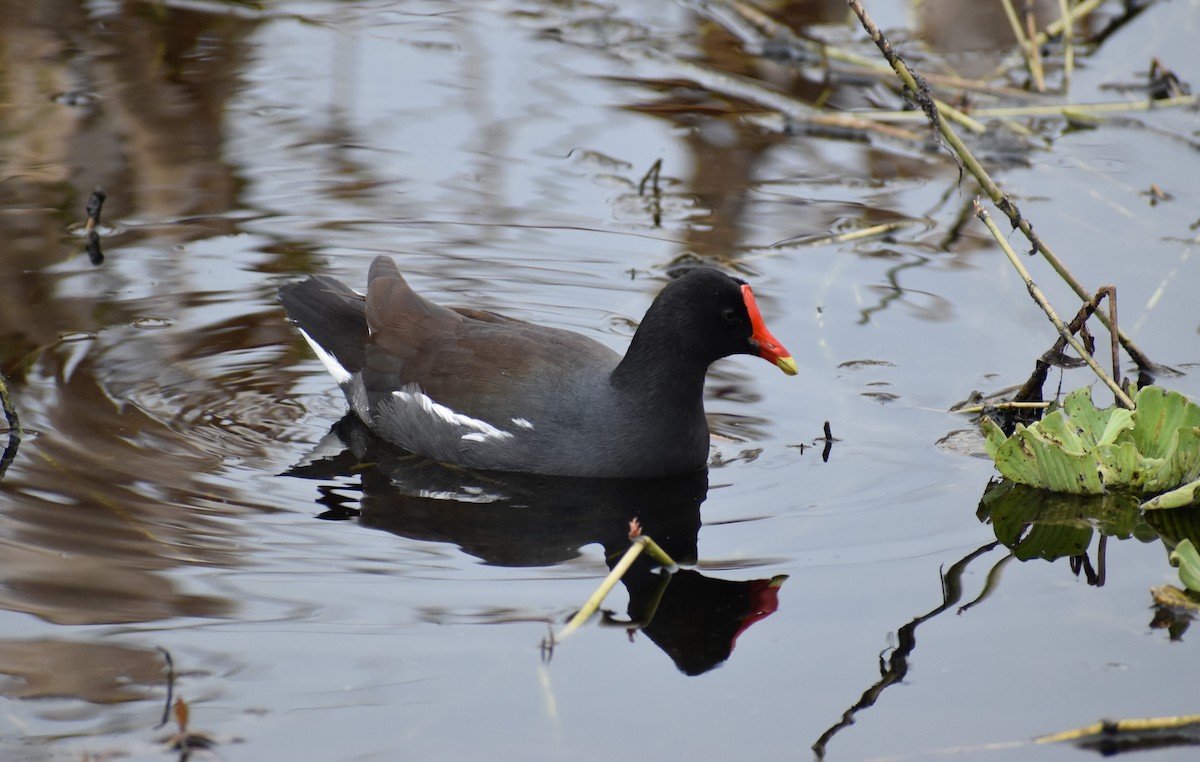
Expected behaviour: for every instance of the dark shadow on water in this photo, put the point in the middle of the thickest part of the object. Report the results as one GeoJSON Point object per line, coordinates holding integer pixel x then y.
{"type": "Point", "coordinates": [527, 520]}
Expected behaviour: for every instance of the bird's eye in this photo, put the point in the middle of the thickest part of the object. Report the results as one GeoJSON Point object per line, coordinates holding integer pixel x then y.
{"type": "Point", "coordinates": [730, 315]}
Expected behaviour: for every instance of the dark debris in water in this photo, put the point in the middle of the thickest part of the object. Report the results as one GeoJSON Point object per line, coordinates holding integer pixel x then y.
{"type": "Point", "coordinates": [95, 206]}
{"type": "Point", "coordinates": [1174, 610]}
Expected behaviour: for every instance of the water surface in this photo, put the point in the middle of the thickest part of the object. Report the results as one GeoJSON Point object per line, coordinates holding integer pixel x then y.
{"type": "Point", "coordinates": [180, 484]}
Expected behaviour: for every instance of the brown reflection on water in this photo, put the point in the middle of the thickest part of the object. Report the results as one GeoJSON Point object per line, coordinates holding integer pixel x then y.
{"type": "Point", "coordinates": [92, 672]}
{"type": "Point", "coordinates": [113, 486]}
{"type": "Point", "coordinates": [110, 488]}
{"type": "Point", "coordinates": [130, 98]}
{"type": "Point", "coordinates": [976, 36]}
{"type": "Point", "coordinates": [97, 503]}
{"type": "Point", "coordinates": [730, 156]}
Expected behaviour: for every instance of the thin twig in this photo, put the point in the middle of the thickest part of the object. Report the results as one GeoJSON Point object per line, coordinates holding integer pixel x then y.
{"type": "Point", "coordinates": [1039, 297]}
{"type": "Point", "coordinates": [756, 28]}
{"type": "Point", "coordinates": [1068, 27]}
{"type": "Point", "coordinates": [1002, 406]}
{"type": "Point", "coordinates": [1060, 27]}
{"type": "Point", "coordinates": [1067, 110]}
{"type": "Point", "coordinates": [853, 235]}
{"type": "Point", "coordinates": [1111, 292]}
{"type": "Point", "coordinates": [657, 553]}
{"type": "Point", "coordinates": [593, 603]}
{"type": "Point", "coordinates": [1088, 109]}
{"type": "Point", "coordinates": [166, 717]}
{"type": "Point", "coordinates": [638, 543]}
{"type": "Point", "coordinates": [1028, 51]}
{"type": "Point", "coordinates": [756, 92]}
{"type": "Point", "coordinates": [1032, 389]}
{"type": "Point", "coordinates": [1035, 51]}
{"type": "Point", "coordinates": [1111, 729]}
{"type": "Point", "coordinates": [998, 197]}
{"type": "Point", "coordinates": [1014, 24]}
{"type": "Point", "coordinates": [651, 177]}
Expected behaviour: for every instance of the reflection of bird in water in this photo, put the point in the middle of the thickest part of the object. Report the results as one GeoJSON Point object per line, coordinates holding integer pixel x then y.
{"type": "Point", "coordinates": [531, 520]}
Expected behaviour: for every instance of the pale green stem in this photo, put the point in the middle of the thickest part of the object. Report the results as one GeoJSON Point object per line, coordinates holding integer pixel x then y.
{"type": "Point", "coordinates": [998, 197]}
{"type": "Point", "coordinates": [607, 585]}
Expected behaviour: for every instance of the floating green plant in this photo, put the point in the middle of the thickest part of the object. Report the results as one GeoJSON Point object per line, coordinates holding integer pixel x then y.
{"type": "Point", "coordinates": [1080, 449]}
{"type": "Point", "coordinates": [1187, 559]}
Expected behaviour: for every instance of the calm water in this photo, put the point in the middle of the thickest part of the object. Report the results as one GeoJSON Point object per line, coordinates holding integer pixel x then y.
{"type": "Point", "coordinates": [180, 485]}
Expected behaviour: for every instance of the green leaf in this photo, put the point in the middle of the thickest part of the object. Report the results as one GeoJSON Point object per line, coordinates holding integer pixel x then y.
{"type": "Point", "coordinates": [1079, 449]}
{"type": "Point", "coordinates": [1119, 464]}
{"type": "Point", "coordinates": [993, 436]}
{"type": "Point", "coordinates": [1096, 427]}
{"type": "Point", "coordinates": [1176, 498]}
{"type": "Point", "coordinates": [1188, 560]}
{"type": "Point", "coordinates": [1159, 415]}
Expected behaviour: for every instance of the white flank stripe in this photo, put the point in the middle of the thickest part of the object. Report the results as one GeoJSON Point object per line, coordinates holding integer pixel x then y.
{"type": "Point", "coordinates": [482, 429]}
{"type": "Point", "coordinates": [340, 374]}
{"type": "Point", "coordinates": [466, 496]}
{"type": "Point", "coordinates": [523, 423]}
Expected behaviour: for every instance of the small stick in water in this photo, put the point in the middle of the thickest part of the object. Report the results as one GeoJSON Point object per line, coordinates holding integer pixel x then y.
{"type": "Point", "coordinates": [95, 205]}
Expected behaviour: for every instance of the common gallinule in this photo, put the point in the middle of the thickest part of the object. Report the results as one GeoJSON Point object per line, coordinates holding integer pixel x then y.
{"type": "Point", "coordinates": [477, 389]}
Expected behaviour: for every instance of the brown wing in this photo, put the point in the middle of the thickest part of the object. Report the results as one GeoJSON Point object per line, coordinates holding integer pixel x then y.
{"type": "Point", "coordinates": [475, 362]}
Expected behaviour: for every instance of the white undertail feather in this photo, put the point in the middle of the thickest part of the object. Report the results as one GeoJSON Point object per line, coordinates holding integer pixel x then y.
{"type": "Point", "coordinates": [340, 374]}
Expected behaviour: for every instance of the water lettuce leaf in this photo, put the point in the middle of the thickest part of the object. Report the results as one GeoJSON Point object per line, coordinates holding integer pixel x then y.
{"type": "Point", "coordinates": [1079, 449]}
{"type": "Point", "coordinates": [1188, 560]}
{"type": "Point", "coordinates": [1188, 494]}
